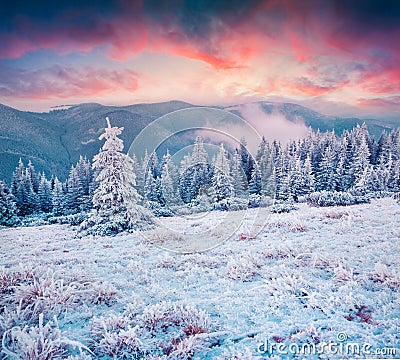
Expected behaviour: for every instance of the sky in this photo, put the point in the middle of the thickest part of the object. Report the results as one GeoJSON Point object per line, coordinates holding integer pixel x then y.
{"type": "Point", "coordinates": [337, 57]}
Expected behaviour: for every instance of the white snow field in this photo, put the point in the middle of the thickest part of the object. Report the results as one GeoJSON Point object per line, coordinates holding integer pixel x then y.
{"type": "Point", "coordinates": [314, 283]}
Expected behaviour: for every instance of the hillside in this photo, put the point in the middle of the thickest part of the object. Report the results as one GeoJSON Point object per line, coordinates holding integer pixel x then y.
{"type": "Point", "coordinates": [54, 141]}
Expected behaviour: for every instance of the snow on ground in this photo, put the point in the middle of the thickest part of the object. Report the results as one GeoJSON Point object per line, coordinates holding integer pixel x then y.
{"type": "Point", "coordinates": [313, 276]}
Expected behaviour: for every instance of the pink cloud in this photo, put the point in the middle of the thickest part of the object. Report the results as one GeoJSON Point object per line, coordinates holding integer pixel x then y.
{"type": "Point", "coordinates": [392, 102]}
{"type": "Point", "coordinates": [59, 82]}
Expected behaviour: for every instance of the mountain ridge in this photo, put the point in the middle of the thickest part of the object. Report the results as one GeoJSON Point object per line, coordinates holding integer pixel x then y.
{"type": "Point", "coordinates": [54, 140]}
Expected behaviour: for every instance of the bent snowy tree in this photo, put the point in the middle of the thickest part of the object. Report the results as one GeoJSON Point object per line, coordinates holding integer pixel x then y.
{"type": "Point", "coordinates": [115, 199]}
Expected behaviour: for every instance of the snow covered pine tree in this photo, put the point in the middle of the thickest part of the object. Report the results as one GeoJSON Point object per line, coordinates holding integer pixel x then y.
{"type": "Point", "coordinates": [8, 211]}
{"type": "Point", "coordinates": [115, 200]}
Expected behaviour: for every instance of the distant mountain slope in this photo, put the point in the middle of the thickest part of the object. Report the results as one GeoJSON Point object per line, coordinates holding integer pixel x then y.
{"type": "Point", "coordinates": [81, 125]}
{"type": "Point", "coordinates": [53, 141]}
{"type": "Point", "coordinates": [315, 120]}
{"type": "Point", "coordinates": [27, 136]}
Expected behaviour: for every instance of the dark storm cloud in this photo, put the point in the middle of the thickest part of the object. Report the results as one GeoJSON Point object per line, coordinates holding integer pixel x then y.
{"type": "Point", "coordinates": [82, 25]}
{"type": "Point", "coordinates": [46, 11]}
{"type": "Point", "coordinates": [383, 14]}
{"type": "Point", "coordinates": [197, 17]}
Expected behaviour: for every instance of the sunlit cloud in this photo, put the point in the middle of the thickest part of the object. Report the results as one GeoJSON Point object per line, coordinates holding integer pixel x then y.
{"type": "Point", "coordinates": [232, 51]}
{"type": "Point", "coordinates": [59, 82]}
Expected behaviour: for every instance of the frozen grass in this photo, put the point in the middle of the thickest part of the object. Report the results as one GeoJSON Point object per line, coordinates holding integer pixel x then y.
{"type": "Point", "coordinates": [305, 277]}
{"type": "Point", "coordinates": [44, 341]}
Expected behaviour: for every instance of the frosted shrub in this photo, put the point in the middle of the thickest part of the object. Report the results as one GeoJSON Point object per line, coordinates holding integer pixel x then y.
{"type": "Point", "coordinates": [167, 314]}
{"type": "Point", "coordinates": [41, 342]}
{"type": "Point", "coordinates": [291, 224]}
{"type": "Point", "coordinates": [72, 219]}
{"type": "Point", "coordinates": [256, 200]}
{"type": "Point", "coordinates": [380, 194]}
{"type": "Point", "coordinates": [102, 292]}
{"type": "Point", "coordinates": [20, 315]}
{"type": "Point", "coordinates": [121, 344]}
{"type": "Point", "coordinates": [35, 220]}
{"type": "Point", "coordinates": [31, 291]}
{"type": "Point", "coordinates": [241, 268]}
{"type": "Point", "coordinates": [334, 198]}
{"type": "Point", "coordinates": [185, 348]}
{"type": "Point", "coordinates": [322, 198]}
{"type": "Point", "coordinates": [113, 322]}
{"type": "Point", "coordinates": [172, 326]}
{"type": "Point", "coordinates": [231, 204]}
{"type": "Point", "coordinates": [181, 210]}
{"type": "Point", "coordinates": [159, 235]}
{"type": "Point", "coordinates": [343, 273]}
{"type": "Point", "coordinates": [276, 253]}
{"type": "Point", "coordinates": [49, 290]}
{"type": "Point", "coordinates": [158, 210]}
{"type": "Point", "coordinates": [384, 276]}
{"type": "Point", "coordinates": [237, 203]}
{"type": "Point", "coordinates": [282, 208]}
{"type": "Point", "coordinates": [293, 283]}
{"type": "Point", "coordinates": [117, 336]}
{"type": "Point", "coordinates": [167, 261]}
{"type": "Point", "coordinates": [76, 219]}
{"type": "Point", "coordinates": [201, 203]}
{"type": "Point", "coordinates": [99, 226]}
{"type": "Point", "coordinates": [296, 225]}
{"type": "Point", "coordinates": [9, 280]}
{"type": "Point", "coordinates": [381, 273]}
{"type": "Point", "coordinates": [134, 306]}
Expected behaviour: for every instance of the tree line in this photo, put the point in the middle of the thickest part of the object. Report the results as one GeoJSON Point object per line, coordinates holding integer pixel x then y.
{"type": "Point", "coordinates": [352, 162]}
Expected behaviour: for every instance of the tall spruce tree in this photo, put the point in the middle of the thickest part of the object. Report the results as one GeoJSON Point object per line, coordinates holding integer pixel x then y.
{"type": "Point", "coordinates": [255, 181]}
{"type": "Point", "coordinates": [73, 195]}
{"type": "Point", "coordinates": [246, 158]}
{"type": "Point", "coordinates": [169, 189]}
{"type": "Point", "coordinates": [361, 161]}
{"type": "Point", "coordinates": [33, 176]}
{"type": "Point", "coordinates": [199, 154]}
{"type": "Point", "coordinates": [326, 171]}
{"type": "Point", "coordinates": [239, 180]}
{"type": "Point", "coordinates": [17, 176]}
{"type": "Point", "coordinates": [153, 188]}
{"type": "Point", "coordinates": [115, 200]}
{"type": "Point", "coordinates": [296, 180]}
{"type": "Point", "coordinates": [8, 209]}
{"type": "Point", "coordinates": [173, 170]}
{"type": "Point", "coordinates": [85, 179]}
{"type": "Point", "coordinates": [44, 194]}
{"type": "Point", "coordinates": [222, 185]}
{"type": "Point", "coordinates": [307, 177]}
{"type": "Point", "coordinates": [221, 162]}
{"type": "Point", "coordinates": [58, 198]}
{"type": "Point", "coordinates": [25, 197]}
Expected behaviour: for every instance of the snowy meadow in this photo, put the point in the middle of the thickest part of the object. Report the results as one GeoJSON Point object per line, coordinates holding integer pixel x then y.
{"type": "Point", "coordinates": [309, 277]}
